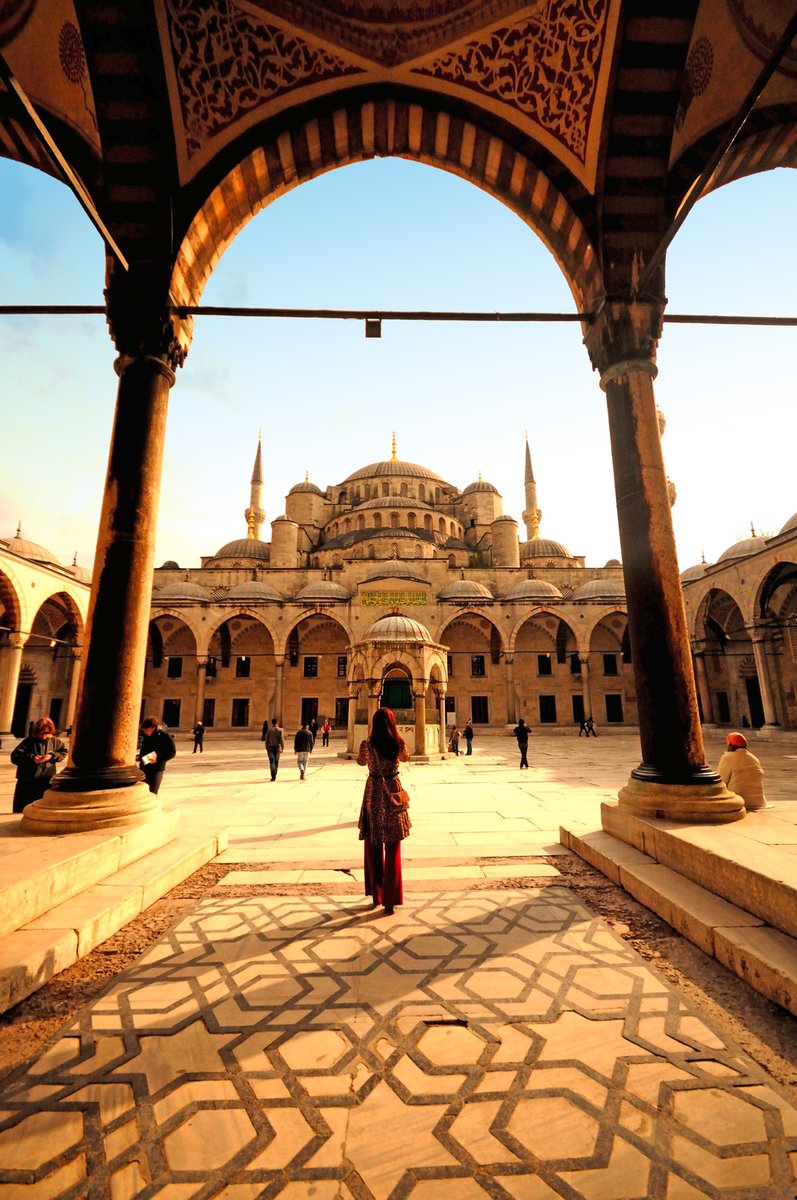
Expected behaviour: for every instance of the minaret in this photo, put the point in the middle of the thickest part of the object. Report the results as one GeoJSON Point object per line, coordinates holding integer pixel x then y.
{"type": "Point", "coordinates": [531, 514]}
{"type": "Point", "coordinates": [255, 513]}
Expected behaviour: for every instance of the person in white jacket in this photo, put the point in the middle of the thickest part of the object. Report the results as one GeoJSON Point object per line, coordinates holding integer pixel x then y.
{"type": "Point", "coordinates": [742, 773]}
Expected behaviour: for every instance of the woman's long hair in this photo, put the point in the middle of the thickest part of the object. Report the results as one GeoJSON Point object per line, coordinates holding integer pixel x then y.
{"type": "Point", "coordinates": [384, 735]}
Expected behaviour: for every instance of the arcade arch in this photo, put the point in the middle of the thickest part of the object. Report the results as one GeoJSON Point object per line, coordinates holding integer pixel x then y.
{"type": "Point", "coordinates": [477, 687]}
{"type": "Point", "coordinates": [316, 669]}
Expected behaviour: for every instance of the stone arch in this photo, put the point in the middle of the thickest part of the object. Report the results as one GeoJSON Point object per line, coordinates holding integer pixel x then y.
{"type": "Point", "coordinates": [361, 129]}
{"type": "Point", "coordinates": [724, 640]}
{"type": "Point", "coordinates": [282, 645]}
{"type": "Point", "coordinates": [11, 603]}
{"type": "Point", "coordinates": [477, 615]}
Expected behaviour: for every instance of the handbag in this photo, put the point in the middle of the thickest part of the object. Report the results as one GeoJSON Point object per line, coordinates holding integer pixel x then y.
{"type": "Point", "coordinates": [399, 799]}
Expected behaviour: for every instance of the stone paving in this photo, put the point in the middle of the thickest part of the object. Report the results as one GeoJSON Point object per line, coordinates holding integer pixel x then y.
{"type": "Point", "coordinates": [478, 1043]}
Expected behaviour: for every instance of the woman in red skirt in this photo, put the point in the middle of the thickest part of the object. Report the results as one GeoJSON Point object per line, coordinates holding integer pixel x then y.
{"type": "Point", "coordinates": [384, 820]}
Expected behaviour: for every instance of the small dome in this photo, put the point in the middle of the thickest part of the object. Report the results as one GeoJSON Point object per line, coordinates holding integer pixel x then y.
{"type": "Point", "coordinates": [32, 550]}
{"type": "Point", "coordinates": [481, 485]}
{"type": "Point", "coordinates": [695, 572]}
{"type": "Point", "coordinates": [614, 562]}
{"type": "Point", "coordinates": [245, 548]}
{"type": "Point", "coordinates": [282, 518]}
{"type": "Point", "coordinates": [305, 486]}
{"type": "Point", "coordinates": [600, 589]}
{"type": "Point", "coordinates": [170, 565]}
{"type": "Point", "coordinates": [505, 517]}
{"type": "Point", "coordinates": [397, 628]}
{"type": "Point", "coordinates": [790, 524]}
{"type": "Point", "coordinates": [323, 591]}
{"type": "Point", "coordinates": [465, 589]}
{"type": "Point", "coordinates": [184, 590]}
{"type": "Point", "coordinates": [544, 548]}
{"type": "Point", "coordinates": [80, 574]}
{"type": "Point", "coordinates": [253, 589]}
{"type": "Point", "coordinates": [533, 589]}
{"type": "Point", "coordinates": [395, 569]}
{"type": "Point", "coordinates": [742, 549]}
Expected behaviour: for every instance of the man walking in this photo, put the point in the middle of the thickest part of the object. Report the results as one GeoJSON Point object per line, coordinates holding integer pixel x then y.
{"type": "Point", "coordinates": [521, 732]}
{"type": "Point", "coordinates": [303, 745]}
{"type": "Point", "coordinates": [199, 737]}
{"type": "Point", "coordinates": [157, 748]}
{"type": "Point", "coordinates": [275, 744]}
{"type": "Point", "coordinates": [467, 733]}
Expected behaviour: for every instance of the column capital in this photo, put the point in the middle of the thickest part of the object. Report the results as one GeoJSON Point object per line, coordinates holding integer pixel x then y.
{"type": "Point", "coordinates": [142, 323]}
{"type": "Point", "coordinates": [623, 337]}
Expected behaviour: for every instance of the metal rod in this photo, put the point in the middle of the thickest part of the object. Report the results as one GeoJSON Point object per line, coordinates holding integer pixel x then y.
{"type": "Point", "coordinates": [59, 161]}
{"type": "Point", "coordinates": [720, 151]}
{"type": "Point", "coordinates": [356, 314]}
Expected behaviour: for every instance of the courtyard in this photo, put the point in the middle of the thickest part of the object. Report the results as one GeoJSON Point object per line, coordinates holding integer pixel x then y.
{"type": "Point", "coordinates": [498, 1036]}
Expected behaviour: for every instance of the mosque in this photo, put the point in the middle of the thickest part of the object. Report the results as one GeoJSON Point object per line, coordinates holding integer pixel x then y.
{"type": "Point", "coordinates": [394, 586]}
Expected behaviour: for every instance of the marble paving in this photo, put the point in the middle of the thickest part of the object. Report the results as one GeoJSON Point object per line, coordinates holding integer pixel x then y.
{"type": "Point", "coordinates": [492, 1043]}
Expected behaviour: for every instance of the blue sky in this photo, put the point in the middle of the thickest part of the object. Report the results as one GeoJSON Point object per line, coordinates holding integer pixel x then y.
{"type": "Point", "coordinates": [394, 234]}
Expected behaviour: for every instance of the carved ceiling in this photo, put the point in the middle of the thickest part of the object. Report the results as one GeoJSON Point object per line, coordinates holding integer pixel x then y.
{"type": "Point", "coordinates": [543, 66]}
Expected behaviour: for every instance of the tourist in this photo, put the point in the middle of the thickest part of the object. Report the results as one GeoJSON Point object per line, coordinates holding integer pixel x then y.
{"type": "Point", "coordinates": [275, 744]}
{"type": "Point", "coordinates": [303, 745]}
{"type": "Point", "coordinates": [312, 725]}
{"type": "Point", "coordinates": [157, 748]}
{"type": "Point", "coordinates": [384, 818]}
{"type": "Point", "coordinates": [326, 729]}
{"type": "Point", "coordinates": [453, 741]}
{"type": "Point", "coordinates": [587, 727]}
{"type": "Point", "coordinates": [521, 732]}
{"type": "Point", "coordinates": [199, 737]}
{"type": "Point", "coordinates": [36, 758]}
{"type": "Point", "coordinates": [742, 773]}
{"type": "Point", "coordinates": [467, 733]}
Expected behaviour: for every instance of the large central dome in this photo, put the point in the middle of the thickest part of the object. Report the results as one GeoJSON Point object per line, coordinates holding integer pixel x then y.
{"type": "Point", "coordinates": [394, 466]}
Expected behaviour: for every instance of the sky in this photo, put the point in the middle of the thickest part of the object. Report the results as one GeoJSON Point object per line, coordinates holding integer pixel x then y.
{"type": "Point", "coordinates": [391, 234]}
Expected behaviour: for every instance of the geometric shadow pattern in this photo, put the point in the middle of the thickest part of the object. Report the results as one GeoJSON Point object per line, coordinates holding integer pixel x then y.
{"type": "Point", "coordinates": [502, 1044]}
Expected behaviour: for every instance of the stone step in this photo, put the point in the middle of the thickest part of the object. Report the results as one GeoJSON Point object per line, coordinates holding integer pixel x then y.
{"type": "Point", "coordinates": [38, 872]}
{"type": "Point", "coordinates": [754, 875]}
{"type": "Point", "coordinates": [763, 956]}
{"type": "Point", "coordinates": [36, 951]}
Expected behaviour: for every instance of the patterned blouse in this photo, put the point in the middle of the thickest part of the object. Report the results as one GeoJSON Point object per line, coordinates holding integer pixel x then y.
{"type": "Point", "coordinates": [380, 820]}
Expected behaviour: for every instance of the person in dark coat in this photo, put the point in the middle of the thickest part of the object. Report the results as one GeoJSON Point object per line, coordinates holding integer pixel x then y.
{"type": "Point", "coordinates": [275, 744]}
{"type": "Point", "coordinates": [303, 748]}
{"type": "Point", "coordinates": [467, 733]}
{"type": "Point", "coordinates": [157, 748]}
{"type": "Point", "coordinates": [36, 758]}
{"type": "Point", "coordinates": [313, 727]}
{"type": "Point", "coordinates": [199, 737]}
{"type": "Point", "coordinates": [521, 732]}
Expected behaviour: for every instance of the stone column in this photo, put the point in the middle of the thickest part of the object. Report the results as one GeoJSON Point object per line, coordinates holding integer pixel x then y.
{"type": "Point", "coordinates": [586, 690]}
{"type": "Point", "coordinates": [764, 682]}
{"type": "Point", "coordinates": [11, 662]}
{"type": "Point", "coordinates": [201, 680]}
{"type": "Point", "coordinates": [511, 707]}
{"type": "Point", "coordinates": [441, 710]}
{"type": "Point", "coordinates": [102, 785]}
{"type": "Point", "coordinates": [279, 688]}
{"type": "Point", "coordinates": [672, 780]}
{"type": "Point", "coordinates": [420, 721]}
{"type": "Point", "coordinates": [74, 681]}
{"type": "Point", "coordinates": [703, 688]}
{"type": "Point", "coordinates": [354, 696]}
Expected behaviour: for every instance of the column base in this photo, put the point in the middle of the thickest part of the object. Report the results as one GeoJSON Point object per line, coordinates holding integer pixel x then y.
{"type": "Point", "coordinates": [78, 812]}
{"type": "Point", "coordinates": [698, 804]}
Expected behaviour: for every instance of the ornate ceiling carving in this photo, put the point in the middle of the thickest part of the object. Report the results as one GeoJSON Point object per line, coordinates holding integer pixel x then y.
{"type": "Point", "coordinates": [545, 69]}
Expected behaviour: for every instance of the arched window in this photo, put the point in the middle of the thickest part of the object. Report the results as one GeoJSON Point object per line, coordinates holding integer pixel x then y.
{"type": "Point", "coordinates": [427, 522]}
{"type": "Point", "coordinates": [361, 522]}
{"type": "Point", "coordinates": [421, 492]}
{"type": "Point", "coordinates": [452, 529]}
{"type": "Point", "coordinates": [412, 520]}
{"type": "Point", "coordinates": [346, 525]}
{"type": "Point", "coordinates": [343, 497]}
{"type": "Point", "coordinates": [437, 495]}
{"type": "Point", "coordinates": [372, 552]}
{"type": "Point", "coordinates": [385, 489]}
{"type": "Point", "coordinates": [394, 521]}
{"type": "Point", "coordinates": [368, 491]}
{"type": "Point", "coordinates": [377, 520]}
{"type": "Point", "coordinates": [441, 525]}
{"type": "Point", "coordinates": [403, 491]}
